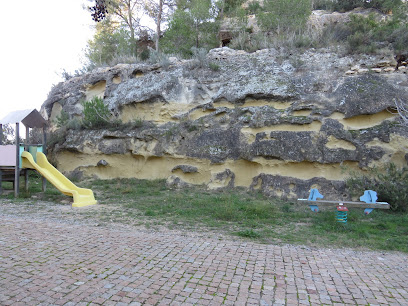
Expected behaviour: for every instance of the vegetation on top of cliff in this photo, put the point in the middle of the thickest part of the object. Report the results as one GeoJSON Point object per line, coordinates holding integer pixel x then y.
{"type": "Point", "coordinates": [384, 6]}
{"type": "Point", "coordinates": [181, 25]}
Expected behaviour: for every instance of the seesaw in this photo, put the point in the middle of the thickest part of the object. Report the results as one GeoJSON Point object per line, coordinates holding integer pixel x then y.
{"type": "Point", "coordinates": [368, 201]}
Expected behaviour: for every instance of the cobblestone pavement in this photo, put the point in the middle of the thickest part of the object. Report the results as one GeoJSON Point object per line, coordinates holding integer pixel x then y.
{"type": "Point", "coordinates": [52, 263]}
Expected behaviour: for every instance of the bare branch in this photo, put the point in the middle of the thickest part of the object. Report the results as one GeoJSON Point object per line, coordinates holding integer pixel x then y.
{"type": "Point", "coordinates": [402, 108]}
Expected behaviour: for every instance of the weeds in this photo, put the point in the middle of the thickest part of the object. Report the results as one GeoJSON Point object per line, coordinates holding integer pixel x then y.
{"type": "Point", "coordinates": [248, 233]}
{"type": "Point", "coordinates": [390, 183]}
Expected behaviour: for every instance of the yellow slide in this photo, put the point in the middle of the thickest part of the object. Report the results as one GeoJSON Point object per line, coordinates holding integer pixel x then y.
{"type": "Point", "coordinates": [82, 196]}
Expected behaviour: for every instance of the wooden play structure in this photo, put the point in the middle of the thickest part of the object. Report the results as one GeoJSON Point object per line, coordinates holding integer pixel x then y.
{"type": "Point", "coordinates": [16, 160]}
{"type": "Point", "coordinates": [10, 155]}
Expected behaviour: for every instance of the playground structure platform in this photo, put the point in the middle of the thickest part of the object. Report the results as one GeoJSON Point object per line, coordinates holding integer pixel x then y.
{"type": "Point", "coordinates": [18, 158]}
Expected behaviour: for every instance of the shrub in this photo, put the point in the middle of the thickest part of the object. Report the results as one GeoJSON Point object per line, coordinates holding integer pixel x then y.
{"type": "Point", "coordinates": [74, 124]}
{"type": "Point", "coordinates": [334, 33]}
{"type": "Point", "coordinates": [96, 113]}
{"type": "Point", "coordinates": [390, 183]}
{"type": "Point", "coordinates": [323, 5]}
{"type": "Point", "coordinates": [360, 43]}
{"type": "Point", "coordinates": [399, 39]}
{"type": "Point", "coordinates": [384, 6]}
{"type": "Point", "coordinates": [157, 57]}
{"type": "Point", "coordinates": [284, 15]}
{"type": "Point", "coordinates": [122, 59]}
{"type": "Point", "coordinates": [363, 32]}
{"type": "Point", "coordinates": [254, 7]}
{"type": "Point", "coordinates": [144, 55]}
{"type": "Point", "coordinates": [62, 120]}
{"type": "Point", "coordinates": [241, 41]}
{"type": "Point", "coordinates": [214, 66]}
{"type": "Point", "coordinates": [200, 57]}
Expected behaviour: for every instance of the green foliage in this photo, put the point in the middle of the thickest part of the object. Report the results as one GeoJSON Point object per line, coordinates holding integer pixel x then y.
{"type": "Point", "coordinates": [123, 59]}
{"type": "Point", "coordinates": [193, 26]}
{"type": "Point", "coordinates": [285, 15]}
{"type": "Point", "coordinates": [144, 55]}
{"type": "Point", "coordinates": [365, 34]}
{"type": "Point", "coordinates": [347, 5]}
{"type": "Point", "coordinates": [36, 136]}
{"type": "Point", "coordinates": [362, 30]}
{"type": "Point", "coordinates": [230, 212]}
{"type": "Point", "coordinates": [230, 6]}
{"type": "Point", "coordinates": [323, 5]}
{"type": "Point", "coordinates": [248, 233]}
{"type": "Point", "coordinates": [7, 136]}
{"type": "Point", "coordinates": [390, 183]}
{"type": "Point", "coordinates": [137, 123]}
{"type": "Point", "coordinates": [96, 113]}
{"type": "Point", "coordinates": [199, 57]}
{"type": "Point", "coordinates": [399, 39]}
{"type": "Point", "coordinates": [242, 41]}
{"type": "Point", "coordinates": [157, 57]}
{"type": "Point", "coordinates": [214, 66]}
{"type": "Point", "coordinates": [109, 42]}
{"type": "Point", "coordinates": [254, 7]}
{"type": "Point", "coordinates": [384, 6]}
{"type": "Point", "coordinates": [334, 34]}
{"type": "Point", "coordinates": [62, 120]}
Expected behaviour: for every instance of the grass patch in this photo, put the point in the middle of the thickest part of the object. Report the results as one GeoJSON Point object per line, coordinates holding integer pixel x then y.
{"type": "Point", "coordinates": [237, 213]}
{"type": "Point", "coordinates": [248, 233]}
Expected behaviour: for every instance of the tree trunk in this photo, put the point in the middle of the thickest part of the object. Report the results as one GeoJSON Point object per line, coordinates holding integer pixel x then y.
{"type": "Point", "coordinates": [132, 30]}
{"type": "Point", "coordinates": [158, 24]}
{"type": "Point", "coordinates": [197, 34]}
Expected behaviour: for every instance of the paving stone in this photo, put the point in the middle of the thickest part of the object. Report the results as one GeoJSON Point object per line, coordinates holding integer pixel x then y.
{"type": "Point", "coordinates": [55, 263]}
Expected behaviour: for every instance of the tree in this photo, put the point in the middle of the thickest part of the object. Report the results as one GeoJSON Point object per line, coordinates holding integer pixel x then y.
{"type": "Point", "coordinates": [110, 40]}
{"type": "Point", "coordinates": [7, 134]}
{"type": "Point", "coordinates": [192, 25]}
{"type": "Point", "coordinates": [99, 10]}
{"type": "Point", "coordinates": [285, 15]}
{"type": "Point", "coordinates": [126, 11]}
{"type": "Point", "coordinates": [228, 7]}
{"type": "Point", "coordinates": [159, 11]}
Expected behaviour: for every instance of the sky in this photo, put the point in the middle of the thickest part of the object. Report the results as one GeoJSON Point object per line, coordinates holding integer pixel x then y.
{"type": "Point", "coordinates": [39, 38]}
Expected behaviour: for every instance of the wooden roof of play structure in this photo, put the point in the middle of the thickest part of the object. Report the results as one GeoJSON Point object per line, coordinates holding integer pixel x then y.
{"type": "Point", "coordinates": [29, 117]}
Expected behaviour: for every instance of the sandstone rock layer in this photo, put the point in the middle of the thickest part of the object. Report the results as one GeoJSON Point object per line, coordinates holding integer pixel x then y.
{"type": "Point", "coordinates": [278, 122]}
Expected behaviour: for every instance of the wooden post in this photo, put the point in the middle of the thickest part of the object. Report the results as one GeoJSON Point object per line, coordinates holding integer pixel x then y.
{"type": "Point", "coordinates": [44, 181]}
{"type": "Point", "coordinates": [17, 169]}
{"type": "Point", "coordinates": [1, 173]}
{"type": "Point", "coordinates": [26, 142]}
{"type": "Point", "coordinates": [44, 141]}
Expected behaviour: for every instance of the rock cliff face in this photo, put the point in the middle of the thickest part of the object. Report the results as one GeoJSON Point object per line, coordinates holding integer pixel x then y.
{"type": "Point", "coordinates": [268, 120]}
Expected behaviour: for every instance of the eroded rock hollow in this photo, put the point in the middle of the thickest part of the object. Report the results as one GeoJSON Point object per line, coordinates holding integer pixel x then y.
{"type": "Point", "coordinates": [268, 120]}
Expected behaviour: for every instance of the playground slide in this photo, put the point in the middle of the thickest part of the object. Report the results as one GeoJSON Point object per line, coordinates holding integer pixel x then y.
{"type": "Point", "coordinates": [82, 196]}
